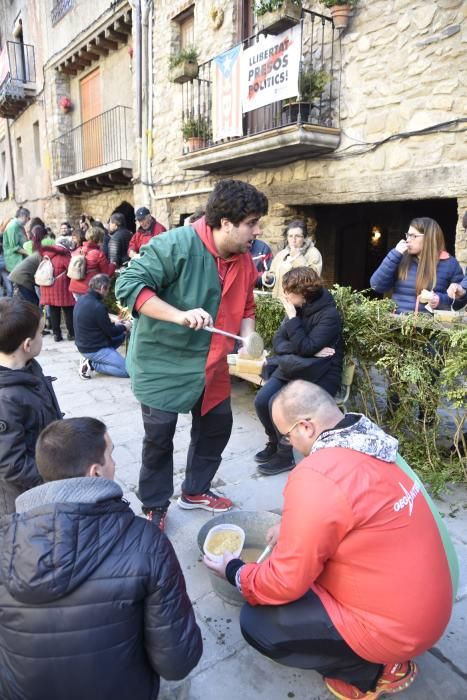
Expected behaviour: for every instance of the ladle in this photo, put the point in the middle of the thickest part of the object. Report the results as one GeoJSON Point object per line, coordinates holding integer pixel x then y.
{"type": "Point", "coordinates": [253, 342]}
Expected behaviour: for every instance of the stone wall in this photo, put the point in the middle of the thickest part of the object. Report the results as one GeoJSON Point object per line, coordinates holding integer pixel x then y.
{"type": "Point", "coordinates": [403, 71]}
{"type": "Point", "coordinates": [98, 205]}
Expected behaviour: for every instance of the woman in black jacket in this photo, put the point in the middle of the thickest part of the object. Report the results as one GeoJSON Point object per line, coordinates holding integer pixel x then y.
{"type": "Point", "coordinates": [308, 346]}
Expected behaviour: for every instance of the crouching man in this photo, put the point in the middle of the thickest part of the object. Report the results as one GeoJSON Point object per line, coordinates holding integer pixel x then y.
{"type": "Point", "coordinates": [363, 575]}
{"type": "Point", "coordinates": [92, 599]}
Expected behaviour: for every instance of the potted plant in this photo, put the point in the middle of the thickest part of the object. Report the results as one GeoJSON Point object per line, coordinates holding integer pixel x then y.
{"type": "Point", "coordinates": [65, 104]}
{"type": "Point", "coordinates": [340, 11]}
{"type": "Point", "coordinates": [311, 85]}
{"type": "Point", "coordinates": [275, 16]}
{"type": "Point", "coordinates": [196, 132]}
{"type": "Point", "coordinates": [184, 65]}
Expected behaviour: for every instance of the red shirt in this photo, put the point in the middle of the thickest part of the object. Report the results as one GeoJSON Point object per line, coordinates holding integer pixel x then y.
{"type": "Point", "coordinates": [143, 236]}
{"type": "Point", "coordinates": [373, 556]}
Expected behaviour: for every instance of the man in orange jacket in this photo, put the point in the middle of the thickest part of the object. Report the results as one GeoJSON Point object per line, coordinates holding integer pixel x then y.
{"type": "Point", "coordinates": [345, 591]}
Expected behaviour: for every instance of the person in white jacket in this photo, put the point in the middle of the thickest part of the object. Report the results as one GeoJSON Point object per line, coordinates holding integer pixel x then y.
{"type": "Point", "coordinates": [299, 251]}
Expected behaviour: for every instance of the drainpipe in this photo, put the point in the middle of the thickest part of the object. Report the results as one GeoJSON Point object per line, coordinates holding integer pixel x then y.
{"type": "Point", "coordinates": [12, 194]}
{"type": "Point", "coordinates": [145, 78]}
{"type": "Point", "coordinates": [137, 62]}
{"type": "Point", "coordinates": [151, 190]}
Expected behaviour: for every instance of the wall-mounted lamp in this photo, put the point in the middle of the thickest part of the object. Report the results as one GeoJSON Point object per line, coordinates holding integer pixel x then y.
{"type": "Point", "coordinates": [376, 235]}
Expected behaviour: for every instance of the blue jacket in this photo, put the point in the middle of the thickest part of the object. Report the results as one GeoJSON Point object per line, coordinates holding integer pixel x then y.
{"type": "Point", "coordinates": [385, 279]}
{"type": "Point", "coordinates": [93, 328]}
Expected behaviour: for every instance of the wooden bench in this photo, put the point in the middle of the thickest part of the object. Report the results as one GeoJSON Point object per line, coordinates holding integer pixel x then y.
{"type": "Point", "coordinates": [348, 373]}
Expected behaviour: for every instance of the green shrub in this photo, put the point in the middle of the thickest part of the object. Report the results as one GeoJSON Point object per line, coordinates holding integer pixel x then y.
{"type": "Point", "coordinates": [409, 356]}
{"type": "Point", "coordinates": [264, 6]}
{"type": "Point", "coordinates": [189, 54]}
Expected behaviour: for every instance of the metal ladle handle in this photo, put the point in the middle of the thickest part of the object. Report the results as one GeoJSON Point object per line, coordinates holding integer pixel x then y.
{"type": "Point", "coordinates": [211, 329]}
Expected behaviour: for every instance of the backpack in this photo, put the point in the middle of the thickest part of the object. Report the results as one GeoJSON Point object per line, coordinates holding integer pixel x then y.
{"type": "Point", "coordinates": [77, 267]}
{"type": "Point", "coordinates": [44, 275]}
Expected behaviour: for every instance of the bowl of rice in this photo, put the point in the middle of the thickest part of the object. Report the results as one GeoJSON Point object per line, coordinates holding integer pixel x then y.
{"type": "Point", "coordinates": [223, 538]}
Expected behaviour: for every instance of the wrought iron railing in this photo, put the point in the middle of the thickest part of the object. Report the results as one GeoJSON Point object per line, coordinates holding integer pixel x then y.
{"type": "Point", "coordinates": [316, 56]}
{"type": "Point", "coordinates": [98, 142]}
{"type": "Point", "coordinates": [17, 64]}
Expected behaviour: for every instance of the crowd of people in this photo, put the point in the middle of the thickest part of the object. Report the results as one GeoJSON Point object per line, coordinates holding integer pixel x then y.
{"type": "Point", "coordinates": [100, 590]}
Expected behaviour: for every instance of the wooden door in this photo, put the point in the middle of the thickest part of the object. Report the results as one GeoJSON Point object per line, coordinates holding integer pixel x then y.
{"type": "Point", "coordinates": [91, 109]}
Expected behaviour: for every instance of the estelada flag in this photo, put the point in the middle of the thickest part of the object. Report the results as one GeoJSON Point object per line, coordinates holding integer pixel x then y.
{"type": "Point", "coordinates": [226, 98]}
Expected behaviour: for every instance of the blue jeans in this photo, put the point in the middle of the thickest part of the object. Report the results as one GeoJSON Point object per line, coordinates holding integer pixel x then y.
{"type": "Point", "coordinates": [108, 360]}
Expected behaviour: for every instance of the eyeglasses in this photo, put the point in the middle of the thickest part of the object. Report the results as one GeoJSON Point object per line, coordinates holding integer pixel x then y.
{"type": "Point", "coordinates": [411, 236]}
{"type": "Point", "coordinates": [286, 436]}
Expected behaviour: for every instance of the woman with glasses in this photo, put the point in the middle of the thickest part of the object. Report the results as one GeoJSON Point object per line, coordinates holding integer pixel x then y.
{"type": "Point", "coordinates": [418, 270]}
{"type": "Point", "coordinates": [299, 251]}
{"type": "Point", "coordinates": [308, 346]}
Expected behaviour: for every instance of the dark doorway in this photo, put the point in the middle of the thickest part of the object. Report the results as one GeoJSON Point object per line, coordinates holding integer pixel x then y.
{"type": "Point", "coordinates": [128, 212]}
{"type": "Point", "coordinates": [354, 238]}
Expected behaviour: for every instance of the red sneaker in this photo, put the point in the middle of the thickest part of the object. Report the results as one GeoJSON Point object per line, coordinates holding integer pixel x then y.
{"type": "Point", "coordinates": [394, 679]}
{"type": "Point", "coordinates": [207, 501]}
{"type": "Point", "coordinates": [156, 516]}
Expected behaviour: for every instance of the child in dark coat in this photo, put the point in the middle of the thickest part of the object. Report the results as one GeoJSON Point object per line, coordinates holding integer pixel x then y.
{"type": "Point", "coordinates": [27, 400]}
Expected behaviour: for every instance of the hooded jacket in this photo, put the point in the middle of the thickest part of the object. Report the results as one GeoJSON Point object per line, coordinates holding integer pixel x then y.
{"type": "Point", "coordinates": [92, 598]}
{"type": "Point", "coordinates": [358, 530]}
{"type": "Point", "coordinates": [27, 405]}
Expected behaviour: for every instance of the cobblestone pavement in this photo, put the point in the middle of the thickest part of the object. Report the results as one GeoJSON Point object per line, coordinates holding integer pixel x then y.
{"type": "Point", "coordinates": [229, 668]}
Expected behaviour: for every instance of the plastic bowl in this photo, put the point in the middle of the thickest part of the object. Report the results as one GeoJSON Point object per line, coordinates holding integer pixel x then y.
{"type": "Point", "coordinates": [223, 528]}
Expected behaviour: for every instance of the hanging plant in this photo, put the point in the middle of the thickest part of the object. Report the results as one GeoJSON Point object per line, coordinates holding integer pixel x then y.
{"type": "Point", "coordinates": [65, 104]}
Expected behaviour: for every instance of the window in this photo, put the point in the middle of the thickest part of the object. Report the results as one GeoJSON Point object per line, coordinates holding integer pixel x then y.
{"type": "Point", "coordinates": [37, 143]}
{"type": "Point", "coordinates": [19, 156]}
{"type": "Point", "coordinates": [187, 33]}
{"type": "Point", "coordinates": [184, 26]}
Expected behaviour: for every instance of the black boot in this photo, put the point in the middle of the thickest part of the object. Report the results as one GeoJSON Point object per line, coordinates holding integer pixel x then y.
{"type": "Point", "coordinates": [268, 452]}
{"type": "Point", "coordinates": [282, 461]}
{"type": "Point", "coordinates": [58, 337]}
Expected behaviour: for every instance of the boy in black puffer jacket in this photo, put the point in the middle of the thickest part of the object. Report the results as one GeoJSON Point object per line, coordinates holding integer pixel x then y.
{"type": "Point", "coordinates": [27, 400]}
{"type": "Point", "coordinates": [93, 600]}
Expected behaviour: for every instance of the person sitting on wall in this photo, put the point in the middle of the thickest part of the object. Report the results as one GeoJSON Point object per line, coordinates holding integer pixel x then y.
{"type": "Point", "coordinates": [97, 337]}
{"type": "Point", "coordinates": [307, 345]}
{"type": "Point", "coordinates": [362, 576]}
{"type": "Point", "coordinates": [93, 601]}
{"type": "Point", "coordinates": [299, 251]}
{"type": "Point", "coordinates": [147, 229]}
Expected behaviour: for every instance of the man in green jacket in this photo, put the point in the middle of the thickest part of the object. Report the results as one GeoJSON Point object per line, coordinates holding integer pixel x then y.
{"type": "Point", "coordinates": [13, 239]}
{"type": "Point", "coordinates": [188, 279]}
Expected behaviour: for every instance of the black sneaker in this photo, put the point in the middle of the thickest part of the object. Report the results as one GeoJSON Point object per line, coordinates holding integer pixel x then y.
{"type": "Point", "coordinates": [280, 462]}
{"type": "Point", "coordinates": [266, 454]}
{"type": "Point", "coordinates": [156, 516]}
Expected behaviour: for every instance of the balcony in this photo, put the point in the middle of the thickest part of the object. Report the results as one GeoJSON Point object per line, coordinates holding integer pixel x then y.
{"type": "Point", "coordinates": [95, 155]}
{"type": "Point", "coordinates": [283, 131]}
{"type": "Point", "coordinates": [17, 78]}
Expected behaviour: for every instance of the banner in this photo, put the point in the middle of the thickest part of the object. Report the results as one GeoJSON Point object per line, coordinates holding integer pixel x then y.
{"type": "Point", "coordinates": [270, 69]}
{"type": "Point", "coordinates": [226, 98]}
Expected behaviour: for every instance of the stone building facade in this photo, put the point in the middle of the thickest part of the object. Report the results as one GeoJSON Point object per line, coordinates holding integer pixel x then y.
{"type": "Point", "coordinates": [388, 146]}
{"type": "Point", "coordinates": [401, 71]}
{"type": "Point", "coordinates": [76, 133]}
